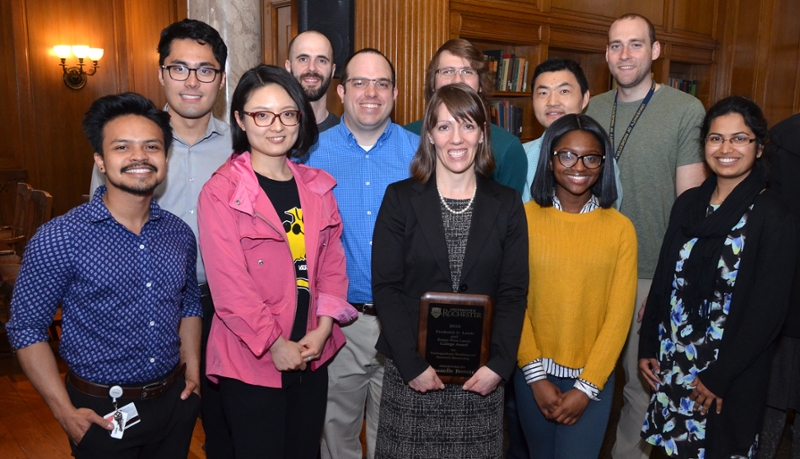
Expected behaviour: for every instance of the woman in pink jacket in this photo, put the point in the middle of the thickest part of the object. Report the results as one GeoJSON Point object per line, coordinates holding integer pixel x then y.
{"type": "Point", "coordinates": [270, 235]}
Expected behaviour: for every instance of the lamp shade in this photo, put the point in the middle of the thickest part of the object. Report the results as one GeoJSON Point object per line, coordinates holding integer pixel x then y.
{"type": "Point", "coordinates": [95, 54]}
{"type": "Point", "coordinates": [62, 51]}
{"type": "Point", "coordinates": [80, 51]}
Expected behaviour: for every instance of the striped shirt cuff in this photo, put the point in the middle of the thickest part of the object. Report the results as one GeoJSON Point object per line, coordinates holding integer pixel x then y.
{"type": "Point", "coordinates": [534, 371]}
{"type": "Point", "coordinates": [587, 388]}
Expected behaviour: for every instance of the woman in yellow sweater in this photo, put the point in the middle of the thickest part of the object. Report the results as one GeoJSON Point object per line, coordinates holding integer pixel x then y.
{"type": "Point", "coordinates": [582, 261]}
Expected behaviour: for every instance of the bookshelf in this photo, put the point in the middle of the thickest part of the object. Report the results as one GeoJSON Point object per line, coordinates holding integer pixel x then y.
{"type": "Point", "coordinates": [535, 31]}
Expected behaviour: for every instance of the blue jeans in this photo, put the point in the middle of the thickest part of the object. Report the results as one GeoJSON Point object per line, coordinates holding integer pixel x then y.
{"type": "Point", "coordinates": [550, 440]}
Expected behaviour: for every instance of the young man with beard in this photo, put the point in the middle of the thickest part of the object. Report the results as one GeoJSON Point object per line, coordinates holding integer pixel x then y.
{"type": "Point", "coordinates": [654, 131]}
{"type": "Point", "coordinates": [191, 69]}
{"type": "Point", "coordinates": [311, 63]}
{"type": "Point", "coordinates": [123, 270]}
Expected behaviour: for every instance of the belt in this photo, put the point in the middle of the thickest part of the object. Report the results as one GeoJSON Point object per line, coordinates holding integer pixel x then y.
{"type": "Point", "coordinates": [204, 290]}
{"type": "Point", "coordinates": [365, 308]}
{"type": "Point", "coordinates": [144, 392]}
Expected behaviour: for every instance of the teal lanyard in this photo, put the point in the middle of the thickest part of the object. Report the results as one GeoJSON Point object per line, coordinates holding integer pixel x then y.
{"type": "Point", "coordinates": [628, 131]}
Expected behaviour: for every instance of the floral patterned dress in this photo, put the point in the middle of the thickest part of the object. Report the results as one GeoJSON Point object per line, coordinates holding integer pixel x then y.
{"type": "Point", "coordinates": [672, 422]}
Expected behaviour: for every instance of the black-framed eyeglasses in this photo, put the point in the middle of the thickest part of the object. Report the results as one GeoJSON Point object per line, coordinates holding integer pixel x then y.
{"type": "Point", "coordinates": [181, 73]}
{"type": "Point", "coordinates": [381, 84]}
{"type": "Point", "coordinates": [569, 159]}
{"type": "Point", "coordinates": [264, 118]}
{"type": "Point", "coordinates": [737, 141]}
{"type": "Point", "coordinates": [450, 72]}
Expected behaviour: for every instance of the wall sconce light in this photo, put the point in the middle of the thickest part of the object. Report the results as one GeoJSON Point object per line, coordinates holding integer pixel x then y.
{"type": "Point", "coordinates": [75, 77]}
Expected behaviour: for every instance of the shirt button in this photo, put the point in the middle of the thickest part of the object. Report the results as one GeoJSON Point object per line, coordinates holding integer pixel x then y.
{"type": "Point", "coordinates": [191, 179]}
{"type": "Point", "coordinates": [367, 183]}
{"type": "Point", "coordinates": [238, 202]}
{"type": "Point", "coordinates": [370, 242]}
{"type": "Point", "coordinates": [141, 246]}
{"type": "Point", "coordinates": [191, 211]}
{"type": "Point", "coordinates": [152, 322]}
{"type": "Point", "coordinates": [260, 262]}
{"type": "Point", "coordinates": [366, 156]}
{"type": "Point", "coordinates": [148, 284]}
{"type": "Point", "coordinates": [152, 360]}
{"type": "Point", "coordinates": [369, 212]}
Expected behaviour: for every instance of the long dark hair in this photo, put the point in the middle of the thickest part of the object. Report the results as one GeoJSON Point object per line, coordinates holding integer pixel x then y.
{"type": "Point", "coordinates": [543, 183]}
{"type": "Point", "coordinates": [261, 76]}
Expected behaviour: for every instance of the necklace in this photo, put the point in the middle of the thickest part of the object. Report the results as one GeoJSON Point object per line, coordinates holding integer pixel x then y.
{"type": "Point", "coordinates": [449, 209]}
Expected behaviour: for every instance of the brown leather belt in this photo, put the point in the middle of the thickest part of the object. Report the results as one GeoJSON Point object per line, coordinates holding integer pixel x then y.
{"type": "Point", "coordinates": [366, 308]}
{"type": "Point", "coordinates": [147, 391]}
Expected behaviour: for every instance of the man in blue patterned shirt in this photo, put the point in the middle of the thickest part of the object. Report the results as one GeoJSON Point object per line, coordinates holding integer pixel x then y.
{"type": "Point", "coordinates": [365, 152]}
{"type": "Point", "coordinates": [124, 273]}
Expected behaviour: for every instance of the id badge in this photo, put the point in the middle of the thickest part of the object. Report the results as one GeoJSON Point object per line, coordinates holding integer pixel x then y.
{"type": "Point", "coordinates": [129, 417]}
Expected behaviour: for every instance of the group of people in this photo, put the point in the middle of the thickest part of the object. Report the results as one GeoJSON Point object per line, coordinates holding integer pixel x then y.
{"type": "Point", "coordinates": [298, 326]}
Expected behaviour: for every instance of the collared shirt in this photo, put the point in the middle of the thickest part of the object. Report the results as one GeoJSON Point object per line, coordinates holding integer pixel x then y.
{"type": "Point", "coordinates": [189, 168]}
{"type": "Point", "coordinates": [122, 294]}
{"type": "Point", "coordinates": [534, 148]}
{"type": "Point", "coordinates": [362, 177]}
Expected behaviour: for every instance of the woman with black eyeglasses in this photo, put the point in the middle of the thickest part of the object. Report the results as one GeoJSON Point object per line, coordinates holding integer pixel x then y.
{"type": "Point", "coordinates": [270, 233]}
{"type": "Point", "coordinates": [719, 296]}
{"type": "Point", "coordinates": [582, 261]}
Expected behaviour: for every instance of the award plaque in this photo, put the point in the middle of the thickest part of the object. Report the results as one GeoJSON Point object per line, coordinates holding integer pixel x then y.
{"type": "Point", "coordinates": [455, 332]}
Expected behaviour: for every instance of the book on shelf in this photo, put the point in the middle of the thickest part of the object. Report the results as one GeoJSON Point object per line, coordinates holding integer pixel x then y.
{"type": "Point", "coordinates": [685, 85]}
{"type": "Point", "coordinates": [506, 115]}
{"type": "Point", "coordinates": [510, 71]}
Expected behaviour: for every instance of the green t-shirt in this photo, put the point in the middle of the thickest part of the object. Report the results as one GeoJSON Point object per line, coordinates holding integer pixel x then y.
{"type": "Point", "coordinates": [511, 163]}
{"type": "Point", "coordinates": [665, 137]}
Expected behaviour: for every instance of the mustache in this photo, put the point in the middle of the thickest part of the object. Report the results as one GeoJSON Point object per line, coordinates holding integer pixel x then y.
{"type": "Point", "coordinates": [312, 74]}
{"type": "Point", "coordinates": [139, 165]}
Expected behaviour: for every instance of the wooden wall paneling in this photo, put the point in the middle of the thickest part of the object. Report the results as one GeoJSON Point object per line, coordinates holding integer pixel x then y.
{"type": "Point", "coordinates": [408, 32]}
{"type": "Point", "coordinates": [652, 10]}
{"type": "Point", "coordinates": [694, 17]}
{"type": "Point", "coordinates": [744, 46]}
{"type": "Point", "coordinates": [26, 153]}
{"type": "Point", "coordinates": [10, 128]}
{"type": "Point", "coordinates": [58, 143]}
{"type": "Point", "coordinates": [782, 68]}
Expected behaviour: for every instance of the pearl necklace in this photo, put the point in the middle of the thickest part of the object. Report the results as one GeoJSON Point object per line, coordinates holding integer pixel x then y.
{"type": "Point", "coordinates": [449, 209]}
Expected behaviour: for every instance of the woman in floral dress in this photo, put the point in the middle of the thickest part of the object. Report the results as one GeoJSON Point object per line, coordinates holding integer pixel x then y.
{"type": "Point", "coordinates": [719, 296]}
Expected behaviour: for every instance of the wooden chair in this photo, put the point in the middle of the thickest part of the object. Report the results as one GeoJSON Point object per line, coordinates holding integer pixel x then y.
{"type": "Point", "coordinates": [39, 209]}
{"type": "Point", "coordinates": [8, 190]}
{"type": "Point", "coordinates": [13, 238]}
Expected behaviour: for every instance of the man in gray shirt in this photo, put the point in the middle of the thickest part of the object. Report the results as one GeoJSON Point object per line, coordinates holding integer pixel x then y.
{"type": "Point", "coordinates": [658, 159]}
{"type": "Point", "coordinates": [192, 58]}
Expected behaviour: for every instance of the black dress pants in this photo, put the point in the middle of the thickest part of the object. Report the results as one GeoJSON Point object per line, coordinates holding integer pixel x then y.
{"type": "Point", "coordinates": [277, 423]}
{"type": "Point", "coordinates": [165, 430]}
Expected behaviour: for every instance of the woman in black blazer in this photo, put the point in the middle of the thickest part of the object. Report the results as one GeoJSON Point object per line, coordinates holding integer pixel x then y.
{"type": "Point", "coordinates": [447, 229]}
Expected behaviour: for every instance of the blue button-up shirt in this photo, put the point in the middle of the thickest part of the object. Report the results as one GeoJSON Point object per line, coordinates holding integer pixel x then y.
{"type": "Point", "coordinates": [362, 177]}
{"type": "Point", "coordinates": [190, 167]}
{"type": "Point", "coordinates": [122, 295]}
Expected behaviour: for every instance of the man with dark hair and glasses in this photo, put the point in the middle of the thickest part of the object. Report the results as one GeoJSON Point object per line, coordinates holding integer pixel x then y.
{"type": "Point", "coordinates": [123, 271]}
{"type": "Point", "coordinates": [365, 152]}
{"type": "Point", "coordinates": [191, 69]}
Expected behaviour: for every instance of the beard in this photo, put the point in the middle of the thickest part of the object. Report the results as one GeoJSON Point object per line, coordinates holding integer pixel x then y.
{"type": "Point", "coordinates": [139, 187]}
{"type": "Point", "coordinates": [316, 94]}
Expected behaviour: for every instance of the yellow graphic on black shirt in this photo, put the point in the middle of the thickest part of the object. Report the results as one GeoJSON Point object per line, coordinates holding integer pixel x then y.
{"type": "Point", "coordinates": [295, 234]}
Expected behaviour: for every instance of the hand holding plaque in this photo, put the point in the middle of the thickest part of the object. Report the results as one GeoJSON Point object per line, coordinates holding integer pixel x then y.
{"type": "Point", "coordinates": [455, 333]}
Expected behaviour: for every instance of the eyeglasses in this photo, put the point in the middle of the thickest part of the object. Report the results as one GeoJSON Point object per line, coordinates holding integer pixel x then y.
{"type": "Point", "coordinates": [715, 140]}
{"type": "Point", "coordinates": [569, 159]}
{"type": "Point", "coordinates": [264, 118]}
{"type": "Point", "coordinates": [450, 72]}
{"type": "Point", "coordinates": [182, 72]}
{"type": "Point", "coordinates": [381, 84]}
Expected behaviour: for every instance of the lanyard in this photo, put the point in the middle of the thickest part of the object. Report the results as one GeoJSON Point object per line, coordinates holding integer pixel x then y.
{"type": "Point", "coordinates": [628, 131]}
